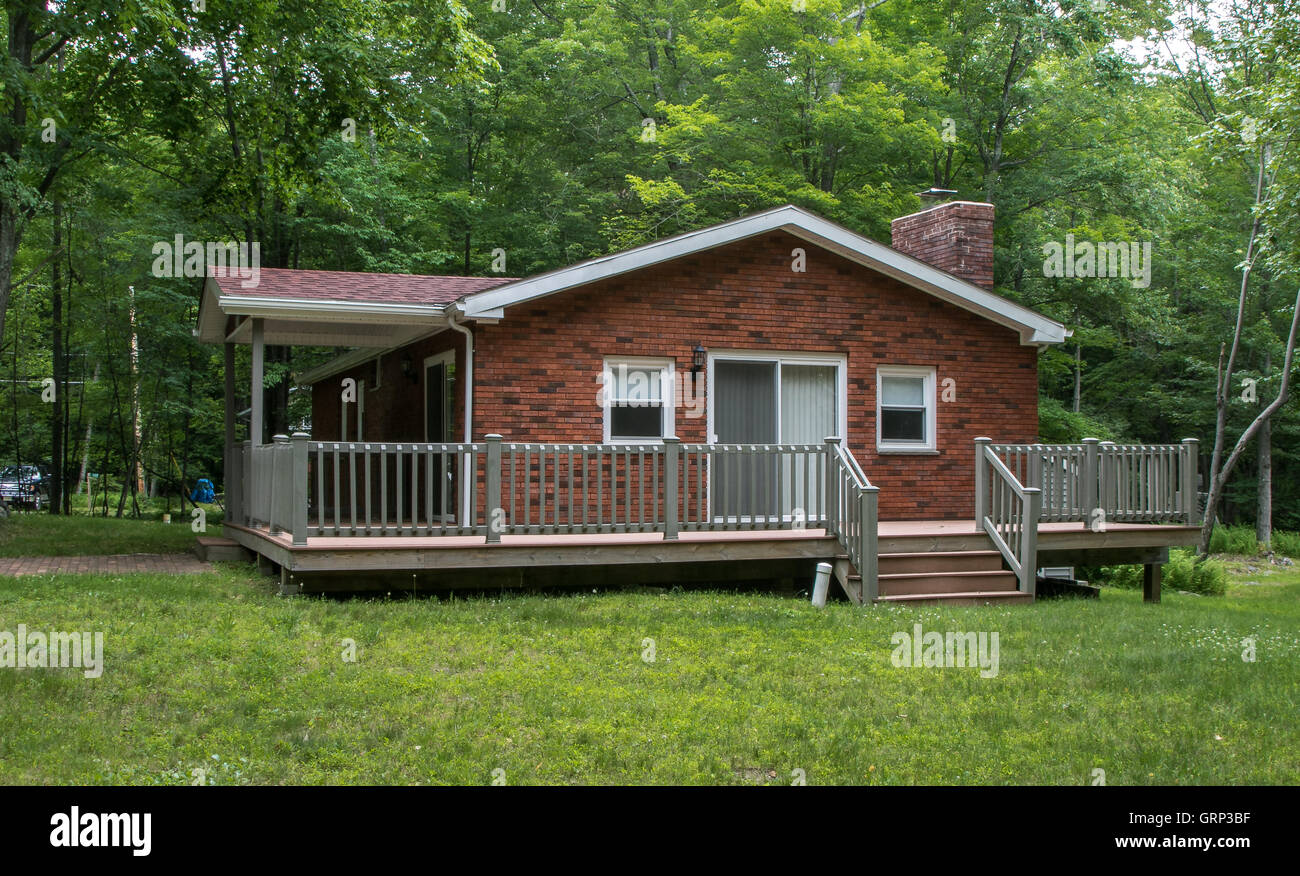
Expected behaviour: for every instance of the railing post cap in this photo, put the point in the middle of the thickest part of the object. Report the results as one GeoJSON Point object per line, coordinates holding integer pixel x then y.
{"type": "Point", "coordinates": [832, 439]}
{"type": "Point", "coordinates": [301, 436]}
{"type": "Point", "coordinates": [280, 439]}
{"type": "Point", "coordinates": [1191, 440]}
{"type": "Point", "coordinates": [671, 439]}
{"type": "Point", "coordinates": [1091, 440]}
{"type": "Point", "coordinates": [492, 436]}
{"type": "Point", "coordinates": [983, 440]}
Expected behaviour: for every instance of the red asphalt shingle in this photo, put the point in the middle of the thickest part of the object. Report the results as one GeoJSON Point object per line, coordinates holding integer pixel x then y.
{"type": "Point", "coordinates": [349, 286]}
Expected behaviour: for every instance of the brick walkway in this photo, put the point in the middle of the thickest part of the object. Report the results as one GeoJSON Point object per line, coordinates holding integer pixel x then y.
{"type": "Point", "coordinates": [167, 564]}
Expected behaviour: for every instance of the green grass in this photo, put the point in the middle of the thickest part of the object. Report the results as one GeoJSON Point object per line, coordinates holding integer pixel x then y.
{"type": "Point", "coordinates": [212, 672]}
{"type": "Point", "coordinates": [27, 534]}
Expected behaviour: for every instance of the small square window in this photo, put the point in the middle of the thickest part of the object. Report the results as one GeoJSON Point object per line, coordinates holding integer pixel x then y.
{"type": "Point", "coordinates": [637, 397]}
{"type": "Point", "coordinates": [905, 409]}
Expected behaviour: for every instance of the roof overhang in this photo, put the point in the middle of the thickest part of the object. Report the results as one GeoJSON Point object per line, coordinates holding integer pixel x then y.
{"type": "Point", "coordinates": [312, 322]}
{"type": "Point", "coordinates": [1033, 327]}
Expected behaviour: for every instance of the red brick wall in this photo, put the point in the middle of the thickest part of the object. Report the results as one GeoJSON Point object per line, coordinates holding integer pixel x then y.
{"type": "Point", "coordinates": [394, 411]}
{"type": "Point", "coordinates": [535, 373]}
{"type": "Point", "coordinates": [955, 237]}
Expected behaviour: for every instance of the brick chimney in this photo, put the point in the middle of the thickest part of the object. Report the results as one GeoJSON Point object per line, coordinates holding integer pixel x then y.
{"type": "Point", "coordinates": [956, 237]}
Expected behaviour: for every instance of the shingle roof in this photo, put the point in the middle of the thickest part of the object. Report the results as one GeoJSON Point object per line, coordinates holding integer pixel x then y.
{"type": "Point", "coordinates": [349, 286]}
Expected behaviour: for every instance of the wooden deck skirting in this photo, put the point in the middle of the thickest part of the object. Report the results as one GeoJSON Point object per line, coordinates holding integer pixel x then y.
{"type": "Point", "coordinates": [1057, 542]}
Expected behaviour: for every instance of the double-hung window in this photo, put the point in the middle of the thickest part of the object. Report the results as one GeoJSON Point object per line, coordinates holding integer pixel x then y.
{"type": "Point", "coordinates": [637, 395]}
{"type": "Point", "coordinates": [905, 409]}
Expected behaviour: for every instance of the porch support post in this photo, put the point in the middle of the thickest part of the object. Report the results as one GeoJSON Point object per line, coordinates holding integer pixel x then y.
{"type": "Point", "coordinates": [1191, 507]}
{"type": "Point", "coordinates": [495, 513]}
{"type": "Point", "coordinates": [1151, 582]}
{"type": "Point", "coordinates": [981, 483]}
{"type": "Point", "coordinates": [672, 448]}
{"type": "Point", "coordinates": [1090, 474]}
{"type": "Point", "coordinates": [832, 486]}
{"type": "Point", "coordinates": [298, 513]}
{"type": "Point", "coordinates": [259, 352]}
{"type": "Point", "coordinates": [230, 479]}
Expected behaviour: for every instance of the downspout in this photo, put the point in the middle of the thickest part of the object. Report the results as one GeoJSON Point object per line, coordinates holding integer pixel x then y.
{"type": "Point", "coordinates": [469, 409]}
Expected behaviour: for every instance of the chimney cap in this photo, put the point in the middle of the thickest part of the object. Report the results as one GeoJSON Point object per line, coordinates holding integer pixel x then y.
{"type": "Point", "coordinates": [937, 195]}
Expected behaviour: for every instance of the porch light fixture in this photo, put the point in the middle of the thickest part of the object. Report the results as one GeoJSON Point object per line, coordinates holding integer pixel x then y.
{"type": "Point", "coordinates": [698, 359]}
{"type": "Point", "coordinates": [408, 368]}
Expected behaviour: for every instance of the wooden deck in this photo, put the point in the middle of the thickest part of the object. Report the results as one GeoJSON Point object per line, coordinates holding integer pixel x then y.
{"type": "Point", "coordinates": [1058, 543]}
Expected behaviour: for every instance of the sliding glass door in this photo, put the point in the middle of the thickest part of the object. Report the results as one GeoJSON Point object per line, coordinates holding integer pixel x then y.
{"type": "Point", "coordinates": [781, 400]}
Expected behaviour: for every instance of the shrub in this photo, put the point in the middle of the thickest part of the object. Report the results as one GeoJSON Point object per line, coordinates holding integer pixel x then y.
{"type": "Point", "coordinates": [1286, 543]}
{"type": "Point", "coordinates": [1182, 572]}
{"type": "Point", "coordinates": [1234, 540]}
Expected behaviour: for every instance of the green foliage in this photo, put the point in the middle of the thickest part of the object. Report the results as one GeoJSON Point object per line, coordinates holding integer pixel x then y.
{"type": "Point", "coordinates": [1057, 424]}
{"type": "Point", "coordinates": [1235, 540]}
{"type": "Point", "coordinates": [1286, 543]}
{"type": "Point", "coordinates": [1183, 572]}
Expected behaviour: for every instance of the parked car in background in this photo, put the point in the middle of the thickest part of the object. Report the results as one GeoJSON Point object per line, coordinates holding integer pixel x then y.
{"type": "Point", "coordinates": [26, 486]}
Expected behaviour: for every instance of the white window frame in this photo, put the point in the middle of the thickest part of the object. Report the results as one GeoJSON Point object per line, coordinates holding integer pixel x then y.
{"type": "Point", "coordinates": [610, 365]}
{"type": "Point", "coordinates": [838, 360]}
{"type": "Point", "coordinates": [930, 444]}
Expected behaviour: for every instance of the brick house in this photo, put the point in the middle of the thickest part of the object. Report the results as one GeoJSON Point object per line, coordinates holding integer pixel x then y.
{"type": "Point", "coordinates": [775, 330]}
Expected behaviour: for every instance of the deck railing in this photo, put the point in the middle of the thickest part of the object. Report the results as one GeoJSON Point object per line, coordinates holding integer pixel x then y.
{"type": "Point", "coordinates": [495, 488]}
{"type": "Point", "coordinates": [854, 516]}
{"type": "Point", "coordinates": [1094, 482]}
{"type": "Point", "coordinates": [1009, 512]}
{"type": "Point", "coordinates": [1097, 481]}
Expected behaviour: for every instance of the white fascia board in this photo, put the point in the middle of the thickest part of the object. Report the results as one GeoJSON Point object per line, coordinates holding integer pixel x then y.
{"type": "Point", "coordinates": [328, 311]}
{"type": "Point", "coordinates": [1034, 328]}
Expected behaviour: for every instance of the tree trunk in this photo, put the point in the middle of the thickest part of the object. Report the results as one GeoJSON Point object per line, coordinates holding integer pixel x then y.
{"type": "Point", "coordinates": [1264, 486]}
{"type": "Point", "coordinates": [58, 465]}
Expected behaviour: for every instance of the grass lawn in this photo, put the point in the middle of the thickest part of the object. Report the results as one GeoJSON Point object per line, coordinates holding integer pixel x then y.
{"type": "Point", "coordinates": [212, 672]}
{"type": "Point", "coordinates": [27, 534]}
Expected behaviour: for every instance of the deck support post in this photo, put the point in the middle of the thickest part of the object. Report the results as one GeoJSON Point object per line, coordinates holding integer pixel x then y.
{"type": "Point", "coordinates": [298, 513]}
{"type": "Point", "coordinates": [1029, 540]}
{"type": "Point", "coordinates": [870, 544]}
{"type": "Point", "coordinates": [672, 474]}
{"type": "Point", "coordinates": [832, 487]}
{"type": "Point", "coordinates": [259, 358]}
{"type": "Point", "coordinates": [1191, 507]}
{"type": "Point", "coordinates": [1151, 582]}
{"type": "Point", "coordinates": [981, 483]}
{"type": "Point", "coordinates": [495, 513]}
{"type": "Point", "coordinates": [1090, 497]}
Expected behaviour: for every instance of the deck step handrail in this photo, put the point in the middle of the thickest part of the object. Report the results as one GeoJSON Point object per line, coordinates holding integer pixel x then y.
{"type": "Point", "coordinates": [1009, 512]}
{"type": "Point", "coordinates": [854, 519]}
{"type": "Point", "coordinates": [1096, 482]}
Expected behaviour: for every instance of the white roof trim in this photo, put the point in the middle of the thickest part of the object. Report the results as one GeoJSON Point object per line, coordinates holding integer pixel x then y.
{"type": "Point", "coordinates": [1034, 328]}
{"type": "Point", "coordinates": [215, 307]}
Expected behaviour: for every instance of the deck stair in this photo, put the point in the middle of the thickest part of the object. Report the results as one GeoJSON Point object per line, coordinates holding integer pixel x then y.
{"type": "Point", "coordinates": [960, 569]}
